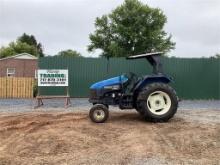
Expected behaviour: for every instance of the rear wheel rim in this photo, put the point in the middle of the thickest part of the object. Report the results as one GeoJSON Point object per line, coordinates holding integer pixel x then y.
{"type": "Point", "coordinates": [99, 114]}
{"type": "Point", "coordinates": [159, 103]}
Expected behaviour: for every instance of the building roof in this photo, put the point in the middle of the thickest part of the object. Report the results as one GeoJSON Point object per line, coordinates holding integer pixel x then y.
{"type": "Point", "coordinates": [23, 56]}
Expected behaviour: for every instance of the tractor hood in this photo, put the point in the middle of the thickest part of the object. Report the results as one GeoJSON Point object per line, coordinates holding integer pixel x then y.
{"type": "Point", "coordinates": [109, 82]}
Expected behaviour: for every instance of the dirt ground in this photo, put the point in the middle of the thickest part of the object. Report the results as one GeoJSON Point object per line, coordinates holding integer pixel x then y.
{"type": "Point", "coordinates": [191, 137]}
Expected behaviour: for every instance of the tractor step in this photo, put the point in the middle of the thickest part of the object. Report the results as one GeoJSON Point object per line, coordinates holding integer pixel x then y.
{"type": "Point", "coordinates": [126, 102]}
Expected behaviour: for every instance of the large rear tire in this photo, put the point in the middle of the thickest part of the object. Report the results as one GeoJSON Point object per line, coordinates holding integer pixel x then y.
{"type": "Point", "coordinates": [157, 102]}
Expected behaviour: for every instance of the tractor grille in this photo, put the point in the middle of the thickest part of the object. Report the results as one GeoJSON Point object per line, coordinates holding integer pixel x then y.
{"type": "Point", "coordinates": [93, 94]}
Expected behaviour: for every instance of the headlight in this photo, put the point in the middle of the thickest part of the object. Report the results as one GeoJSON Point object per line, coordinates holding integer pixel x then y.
{"type": "Point", "coordinates": [113, 87]}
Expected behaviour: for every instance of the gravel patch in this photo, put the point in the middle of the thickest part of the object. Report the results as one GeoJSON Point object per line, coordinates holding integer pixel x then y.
{"type": "Point", "coordinates": [199, 105]}
{"type": "Point", "coordinates": [26, 105]}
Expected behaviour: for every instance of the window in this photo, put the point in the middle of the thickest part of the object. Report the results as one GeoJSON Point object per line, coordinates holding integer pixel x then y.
{"type": "Point", "coordinates": [10, 72]}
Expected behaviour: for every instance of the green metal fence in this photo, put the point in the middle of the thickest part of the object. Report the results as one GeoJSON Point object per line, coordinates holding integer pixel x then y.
{"type": "Point", "coordinates": [193, 78]}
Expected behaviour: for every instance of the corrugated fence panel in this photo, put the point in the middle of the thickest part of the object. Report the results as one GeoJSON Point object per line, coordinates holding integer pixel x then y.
{"type": "Point", "coordinates": [82, 73]}
{"type": "Point", "coordinates": [193, 78]}
{"type": "Point", "coordinates": [118, 66]}
{"type": "Point", "coordinates": [218, 63]}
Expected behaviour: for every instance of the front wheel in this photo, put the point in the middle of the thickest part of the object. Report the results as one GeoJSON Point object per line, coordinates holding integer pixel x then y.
{"type": "Point", "coordinates": [157, 102]}
{"type": "Point", "coordinates": [99, 113]}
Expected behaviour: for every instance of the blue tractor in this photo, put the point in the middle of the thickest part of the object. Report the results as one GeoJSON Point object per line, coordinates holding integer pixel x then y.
{"type": "Point", "coordinates": [150, 95]}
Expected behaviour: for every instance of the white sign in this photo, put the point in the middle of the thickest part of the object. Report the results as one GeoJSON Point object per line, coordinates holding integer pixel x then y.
{"type": "Point", "coordinates": [52, 77]}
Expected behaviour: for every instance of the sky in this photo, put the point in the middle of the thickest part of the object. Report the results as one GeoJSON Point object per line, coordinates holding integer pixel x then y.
{"type": "Point", "coordinates": [66, 24]}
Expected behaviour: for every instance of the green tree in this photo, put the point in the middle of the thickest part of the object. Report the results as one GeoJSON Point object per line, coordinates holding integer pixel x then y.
{"type": "Point", "coordinates": [217, 55]}
{"type": "Point", "coordinates": [6, 51]}
{"type": "Point", "coordinates": [69, 53]}
{"type": "Point", "coordinates": [132, 28]}
{"type": "Point", "coordinates": [23, 44]}
{"type": "Point", "coordinates": [31, 40]}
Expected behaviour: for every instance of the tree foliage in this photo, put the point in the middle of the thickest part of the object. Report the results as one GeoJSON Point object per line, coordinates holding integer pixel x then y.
{"type": "Point", "coordinates": [132, 28]}
{"type": "Point", "coordinates": [23, 44]}
{"type": "Point", "coordinates": [217, 55]}
{"type": "Point", "coordinates": [31, 40]}
{"type": "Point", "coordinates": [69, 53]}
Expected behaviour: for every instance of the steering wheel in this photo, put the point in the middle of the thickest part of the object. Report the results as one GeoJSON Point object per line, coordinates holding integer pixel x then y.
{"type": "Point", "coordinates": [131, 76]}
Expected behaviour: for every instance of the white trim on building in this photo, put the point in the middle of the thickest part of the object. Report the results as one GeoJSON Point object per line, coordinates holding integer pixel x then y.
{"type": "Point", "coordinates": [24, 56]}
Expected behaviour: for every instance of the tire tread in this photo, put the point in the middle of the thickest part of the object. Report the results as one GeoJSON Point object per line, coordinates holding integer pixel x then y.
{"type": "Point", "coordinates": [141, 102]}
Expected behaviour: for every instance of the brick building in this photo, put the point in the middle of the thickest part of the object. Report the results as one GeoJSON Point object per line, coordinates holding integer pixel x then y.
{"type": "Point", "coordinates": [21, 65]}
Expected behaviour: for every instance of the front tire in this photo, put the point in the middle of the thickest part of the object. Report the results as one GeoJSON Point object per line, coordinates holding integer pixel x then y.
{"type": "Point", "coordinates": [99, 113]}
{"type": "Point", "coordinates": [157, 102]}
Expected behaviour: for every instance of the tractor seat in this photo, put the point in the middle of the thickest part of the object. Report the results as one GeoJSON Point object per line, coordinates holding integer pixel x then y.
{"type": "Point", "coordinates": [131, 83]}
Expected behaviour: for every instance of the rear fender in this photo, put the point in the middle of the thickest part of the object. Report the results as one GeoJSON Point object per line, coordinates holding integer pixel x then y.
{"type": "Point", "coordinates": [152, 79]}
{"type": "Point", "coordinates": [148, 80]}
